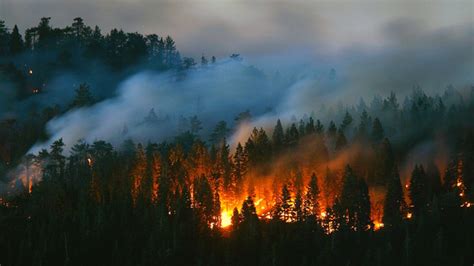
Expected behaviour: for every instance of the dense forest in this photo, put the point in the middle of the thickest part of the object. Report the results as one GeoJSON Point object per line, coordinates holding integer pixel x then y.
{"type": "Point", "coordinates": [340, 186]}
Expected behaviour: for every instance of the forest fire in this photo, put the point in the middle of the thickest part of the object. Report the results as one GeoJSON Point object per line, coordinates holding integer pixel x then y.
{"type": "Point", "coordinates": [378, 225]}
{"type": "Point", "coordinates": [226, 218]}
{"type": "Point", "coordinates": [129, 148]}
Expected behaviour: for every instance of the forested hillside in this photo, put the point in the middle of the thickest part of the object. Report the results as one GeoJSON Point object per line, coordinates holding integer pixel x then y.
{"type": "Point", "coordinates": [390, 182]}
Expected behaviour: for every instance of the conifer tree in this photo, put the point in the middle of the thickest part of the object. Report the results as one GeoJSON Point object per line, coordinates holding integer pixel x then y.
{"type": "Point", "coordinates": [278, 136]}
{"type": "Point", "coordinates": [394, 204]}
{"type": "Point", "coordinates": [377, 130]}
{"type": "Point", "coordinates": [83, 96]}
{"type": "Point", "coordinates": [341, 141]}
{"type": "Point", "coordinates": [418, 190]}
{"type": "Point", "coordinates": [311, 201]}
{"type": "Point", "coordinates": [16, 42]}
{"type": "Point", "coordinates": [346, 122]}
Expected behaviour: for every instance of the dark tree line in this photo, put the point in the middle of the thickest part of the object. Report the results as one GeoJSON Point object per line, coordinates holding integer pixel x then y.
{"type": "Point", "coordinates": [162, 203]}
{"type": "Point", "coordinates": [30, 61]}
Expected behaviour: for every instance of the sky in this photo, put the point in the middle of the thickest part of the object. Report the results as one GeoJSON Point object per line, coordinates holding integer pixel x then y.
{"type": "Point", "coordinates": [255, 28]}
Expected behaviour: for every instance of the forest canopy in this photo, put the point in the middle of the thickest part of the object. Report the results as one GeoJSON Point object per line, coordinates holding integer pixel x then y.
{"type": "Point", "coordinates": [94, 174]}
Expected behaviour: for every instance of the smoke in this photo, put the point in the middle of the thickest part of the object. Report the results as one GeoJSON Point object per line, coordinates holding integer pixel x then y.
{"type": "Point", "coordinates": [250, 27]}
{"type": "Point", "coordinates": [221, 91]}
{"type": "Point", "coordinates": [214, 93]}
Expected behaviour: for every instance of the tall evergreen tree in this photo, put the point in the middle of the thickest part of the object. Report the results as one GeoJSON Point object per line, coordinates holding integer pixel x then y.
{"type": "Point", "coordinates": [278, 136]}
{"type": "Point", "coordinates": [16, 41]}
{"type": "Point", "coordinates": [219, 133]}
{"type": "Point", "coordinates": [285, 210]}
{"type": "Point", "coordinates": [346, 122]}
{"type": "Point", "coordinates": [311, 201]}
{"type": "Point", "coordinates": [83, 96]}
{"type": "Point", "coordinates": [364, 222]}
{"type": "Point", "coordinates": [341, 141]}
{"type": "Point", "coordinates": [377, 130]}
{"type": "Point", "coordinates": [394, 204]}
{"type": "Point", "coordinates": [4, 39]}
{"type": "Point", "coordinates": [418, 190]}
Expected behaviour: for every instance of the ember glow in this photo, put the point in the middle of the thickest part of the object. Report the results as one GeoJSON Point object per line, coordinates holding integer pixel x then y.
{"type": "Point", "coordinates": [240, 133]}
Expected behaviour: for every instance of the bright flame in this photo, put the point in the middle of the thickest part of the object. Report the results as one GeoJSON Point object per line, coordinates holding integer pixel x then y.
{"type": "Point", "coordinates": [258, 202]}
{"type": "Point", "coordinates": [30, 71]}
{"type": "Point", "coordinates": [409, 215]}
{"type": "Point", "coordinates": [226, 218]}
{"type": "Point", "coordinates": [378, 225]}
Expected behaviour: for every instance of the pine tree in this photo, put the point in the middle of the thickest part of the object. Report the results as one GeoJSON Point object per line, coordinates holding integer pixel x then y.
{"type": "Point", "coordinates": [83, 97]}
{"type": "Point", "coordinates": [332, 134]}
{"type": "Point", "coordinates": [341, 141]}
{"type": "Point", "coordinates": [154, 167]}
{"type": "Point", "coordinates": [235, 219]}
{"type": "Point", "coordinates": [4, 38]}
{"type": "Point", "coordinates": [363, 213]}
{"type": "Point", "coordinates": [346, 122]}
{"type": "Point", "coordinates": [319, 128]}
{"type": "Point", "coordinates": [170, 53]}
{"type": "Point", "coordinates": [363, 128]}
{"type": "Point", "coordinates": [138, 173]}
{"type": "Point", "coordinates": [220, 132]}
{"type": "Point", "coordinates": [298, 208]}
{"type": "Point", "coordinates": [292, 135]}
{"type": "Point", "coordinates": [417, 190]}
{"type": "Point", "coordinates": [302, 128]}
{"type": "Point", "coordinates": [394, 203]}
{"type": "Point", "coordinates": [80, 30]}
{"type": "Point", "coordinates": [278, 137]}
{"type": "Point", "coordinates": [249, 232]}
{"type": "Point", "coordinates": [216, 210]}
{"type": "Point", "coordinates": [311, 202]}
{"type": "Point", "coordinates": [354, 209]}
{"type": "Point", "coordinates": [16, 42]}
{"type": "Point", "coordinates": [57, 159]}
{"type": "Point", "coordinates": [223, 165]}
{"type": "Point", "coordinates": [384, 163]}
{"type": "Point", "coordinates": [310, 128]}
{"type": "Point", "coordinates": [195, 124]}
{"type": "Point", "coordinates": [349, 197]}
{"type": "Point", "coordinates": [377, 130]}
{"type": "Point", "coordinates": [204, 201]}
{"type": "Point", "coordinates": [240, 167]}
{"type": "Point", "coordinates": [285, 210]}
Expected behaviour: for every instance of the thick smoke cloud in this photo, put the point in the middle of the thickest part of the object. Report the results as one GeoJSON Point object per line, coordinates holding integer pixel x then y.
{"type": "Point", "coordinates": [214, 93]}
{"type": "Point", "coordinates": [431, 60]}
